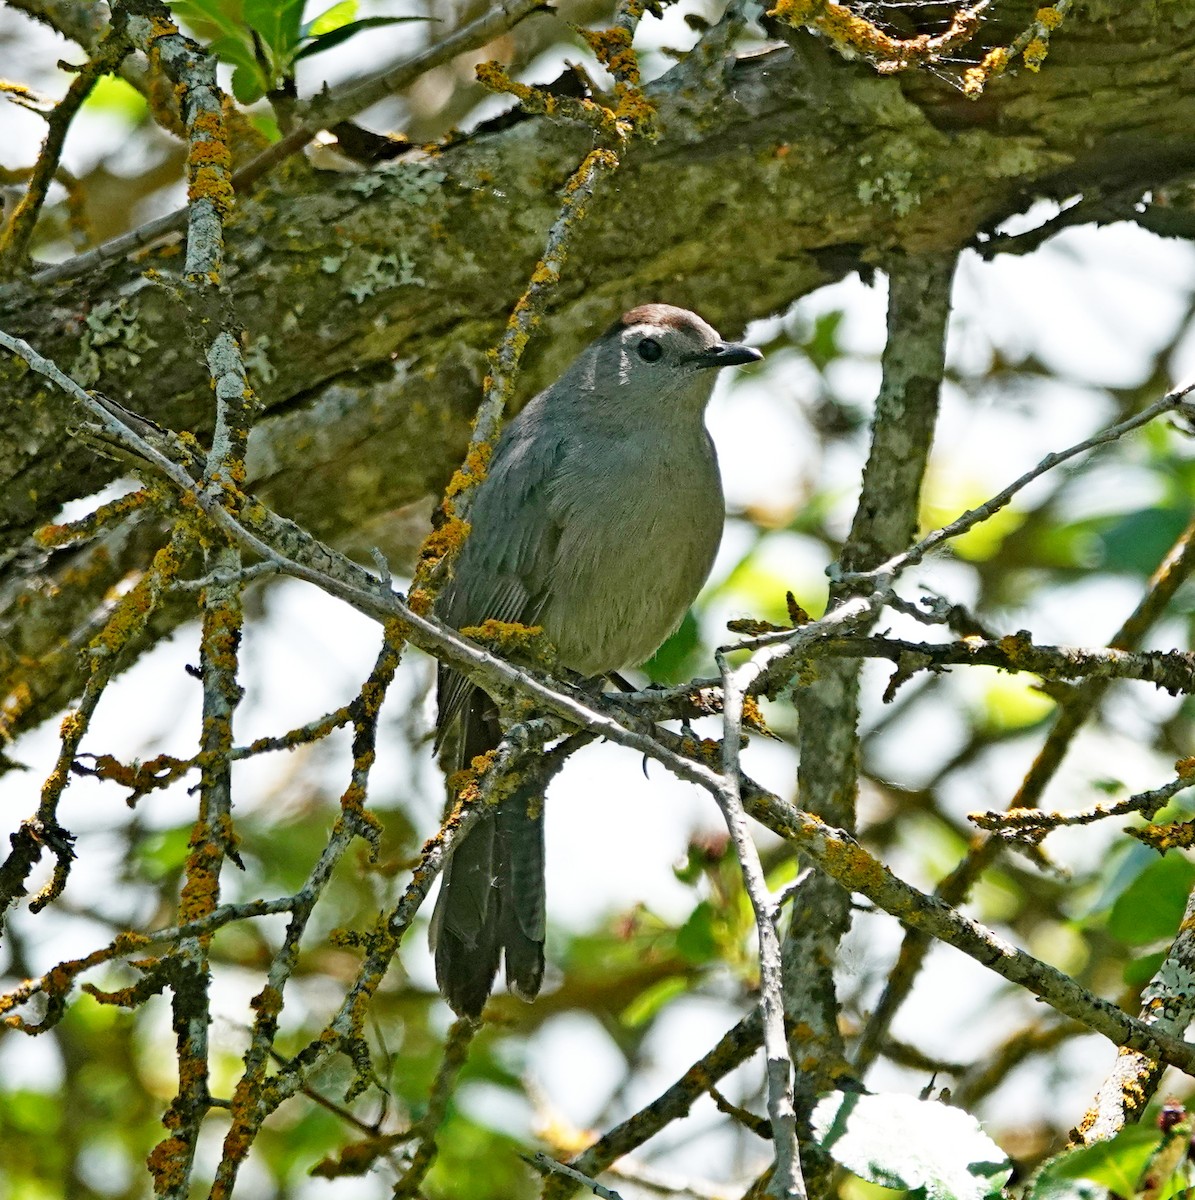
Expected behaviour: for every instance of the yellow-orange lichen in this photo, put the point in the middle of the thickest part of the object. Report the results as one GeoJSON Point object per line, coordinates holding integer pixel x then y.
{"type": "Point", "coordinates": [167, 1164]}
{"type": "Point", "coordinates": [473, 470]}
{"type": "Point", "coordinates": [72, 726]}
{"type": "Point", "coordinates": [507, 637]}
{"type": "Point", "coordinates": [796, 12]}
{"type": "Point", "coordinates": [612, 48]}
{"type": "Point", "coordinates": [209, 153]}
{"type": "Point", "coordinates": [976, 78]}
{"type": "Point", "coordinates": [212, 184]}
{"type": "Point", "coordinates": [267, 1002]}
{"type": "Point", "coordinates": [161, 27]}
{"type": "Point", "coordinates": [753, 716]}
{"type": "Point", "coordinates": [1048, 18]}
{"type": "Point", "coordinates": [1035, 53]}
{"type": "Point", "coordinates": [446, 540]}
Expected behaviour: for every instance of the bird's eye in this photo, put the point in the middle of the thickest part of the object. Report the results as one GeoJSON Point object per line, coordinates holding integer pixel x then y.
{"type": "Point", "coordinates": [650, 350]}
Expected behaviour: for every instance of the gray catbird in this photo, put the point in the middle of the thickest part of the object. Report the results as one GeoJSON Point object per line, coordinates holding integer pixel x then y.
{"type": "Point", "coordinates": [599, 520]}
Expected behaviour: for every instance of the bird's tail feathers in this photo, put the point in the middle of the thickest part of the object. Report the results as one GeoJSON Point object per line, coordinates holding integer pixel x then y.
{"type": "Point", "coordinates": [492, 895]}
{"type": "Point", "coordinates": [520, 821]}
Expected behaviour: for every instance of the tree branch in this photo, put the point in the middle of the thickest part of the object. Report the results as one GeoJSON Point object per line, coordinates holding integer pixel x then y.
{"type": "Point", "coordinates": [786, 1180]}
{"type": "Point", "coordinates": [14, 243]}
{"type": "Point", "coordinates": [325, 113]}
{"type": "Point", "coordinates": [828, 710]}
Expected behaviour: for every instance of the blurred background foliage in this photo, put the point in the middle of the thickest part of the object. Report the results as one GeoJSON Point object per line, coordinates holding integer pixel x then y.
{"type": "Point", "coordinates": [651, 972]}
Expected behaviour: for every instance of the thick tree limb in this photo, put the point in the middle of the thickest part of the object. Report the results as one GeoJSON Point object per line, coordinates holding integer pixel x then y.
{"type": "Point", "coordinates": [350, 248]}
{"type": "Point", "coordinates": [885, 520]}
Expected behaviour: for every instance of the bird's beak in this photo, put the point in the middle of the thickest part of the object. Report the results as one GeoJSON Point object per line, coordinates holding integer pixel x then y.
{"type": "Point", "coordinates": [727, 354]}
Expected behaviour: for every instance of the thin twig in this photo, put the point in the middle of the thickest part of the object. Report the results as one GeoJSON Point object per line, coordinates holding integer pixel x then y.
{"type": "Point", "coordinates": [209, 203]}
{"type": "Point", "coordinates": [352, 822]}
{"type": "Point", "coordinates": [1073, 713]}
{"type": "Point", "coordinates": [456, 1049]}
{"type": "Point", "coordinates": [1173, 401]}
{"type": "Point", "coordinates": [837, 854]}
{"type": "Point", "coordinates": [854, 34]}
{"type": "Point", "coordinates": [1168, 1005]}
{"type": "Point", "coordinates": [341, 1034]}
{"type": "Point", "coordinates": [546, 1165]}
{"type": "Point", "coordinates": [733, 1049]}
{"type": "Point", "coordinates": [1172, 670]}
{"type": "Point", "coordinates": [451, 527]}
{"type": "Point", "coordinates": [528, 311]}
{"type": "Point", "coordinates": [786, 1180]}
{"type": "Point", "coordinates": [14, 244]}
{"type": "Point", "coordinates": [1034, 824]}
{"type": "Point", "coordinates": [665, 1183]}
{"type": "Point", "coordinates": [58, 982]}
{"type": "Point", "coordinates": [469, 37]}
{"type": "Point", "coordinates": [842, 858]}
{"type": "Point", "coordinates": [124, 623]}
{"type": "Point", "coordinates": [86, 25]}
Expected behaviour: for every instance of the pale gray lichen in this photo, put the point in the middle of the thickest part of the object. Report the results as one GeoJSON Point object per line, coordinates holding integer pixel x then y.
{"type": "Point", "coordinates": [113, 332]}
{"type": "Point", "coordinates": [412, 182]}
{"type": "Point", "coordinates": [382, 272]}
{"type": "Point", "coordinates": [257, 361]}
{"type": "Point", "coordinates": [366, 183]}
{"type": "Point", "coordinates": [892, 184]}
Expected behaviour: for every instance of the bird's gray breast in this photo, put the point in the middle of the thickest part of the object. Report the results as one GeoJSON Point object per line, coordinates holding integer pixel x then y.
{"type": "Point", "coordinates": [640, 520]}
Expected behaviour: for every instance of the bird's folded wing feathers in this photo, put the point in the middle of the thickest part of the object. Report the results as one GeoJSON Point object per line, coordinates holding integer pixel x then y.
{"type": "Point", "coordinates": [505, 567]}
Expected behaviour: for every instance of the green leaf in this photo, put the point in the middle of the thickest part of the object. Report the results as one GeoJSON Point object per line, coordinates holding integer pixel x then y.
{"type": "Point", "coordinates": [1152, 906]}
{"type": "Point", "coordinates": [822, 346]}
{"type": "Point", "coordinates": [1179, 1184]}
{"type": "Point", "coordinates": [234, 50]}
{"type": "Point", "coordinates": [247, 84]}
{"type": "Point", "coordinates": [670, 663]}
{"type": "Point", "coordinates": [1138, 541]}
{"type": "Point", "coordinates": [1123, 866]}
{"type": "Point", "coordinates": [266, 124]}
{"type": "Point", "coordinates": [1116, 1163]}
{"type": "Point", "coordinates": [208, 17]}
{"type": "Point", "coordinates": [696, 939]}
{"type": "Point", "coordinates": [1139, 971]}
{"type": "Point", "coordinates": [758, 586]}
{"type": "Point", "coordinates": [209, 10]}
{"type": "Point", "coordinates": [1010, 701]}
{"type": "Point", "coordinates": [113, 96]}
{"type": "Point", "coordinates": [32, 1112]}
{"type": "Point", "coordinates": [1046, 1186]}
{"type": "Point", "coordinates": [331, 18]}
{"type": "Point", "coordinates": [162, 854]}
{"type": "Point", "coordinates": [651, 1000]}
{"type": "Point", "coordinates": [277, 23]}
{"type": "Point", "coordinates": [919, 1145]}
{"type": "Point", "coordinates": [782, 874]}
{"type": "Point", "coordinates": [341, 34]}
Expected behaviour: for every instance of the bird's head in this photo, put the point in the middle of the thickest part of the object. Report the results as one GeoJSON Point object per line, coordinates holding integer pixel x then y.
{"type": "Point", "coordinates": [655, 354]}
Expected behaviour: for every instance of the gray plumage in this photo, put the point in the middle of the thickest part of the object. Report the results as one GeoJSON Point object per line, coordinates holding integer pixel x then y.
{"type": "Point", "coordinates": [599, 519]}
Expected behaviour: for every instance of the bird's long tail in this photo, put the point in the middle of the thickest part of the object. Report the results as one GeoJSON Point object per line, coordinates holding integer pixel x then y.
{"type": "Point", "coordinates": [492, 896]}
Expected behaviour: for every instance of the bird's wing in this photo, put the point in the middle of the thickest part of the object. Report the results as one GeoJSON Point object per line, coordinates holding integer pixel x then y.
{"type": "Point", "coordinates": [504, 570]}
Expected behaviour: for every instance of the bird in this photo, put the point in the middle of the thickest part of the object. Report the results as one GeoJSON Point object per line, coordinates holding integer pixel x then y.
{"type": "Point", "coordinates": [598, 520]}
